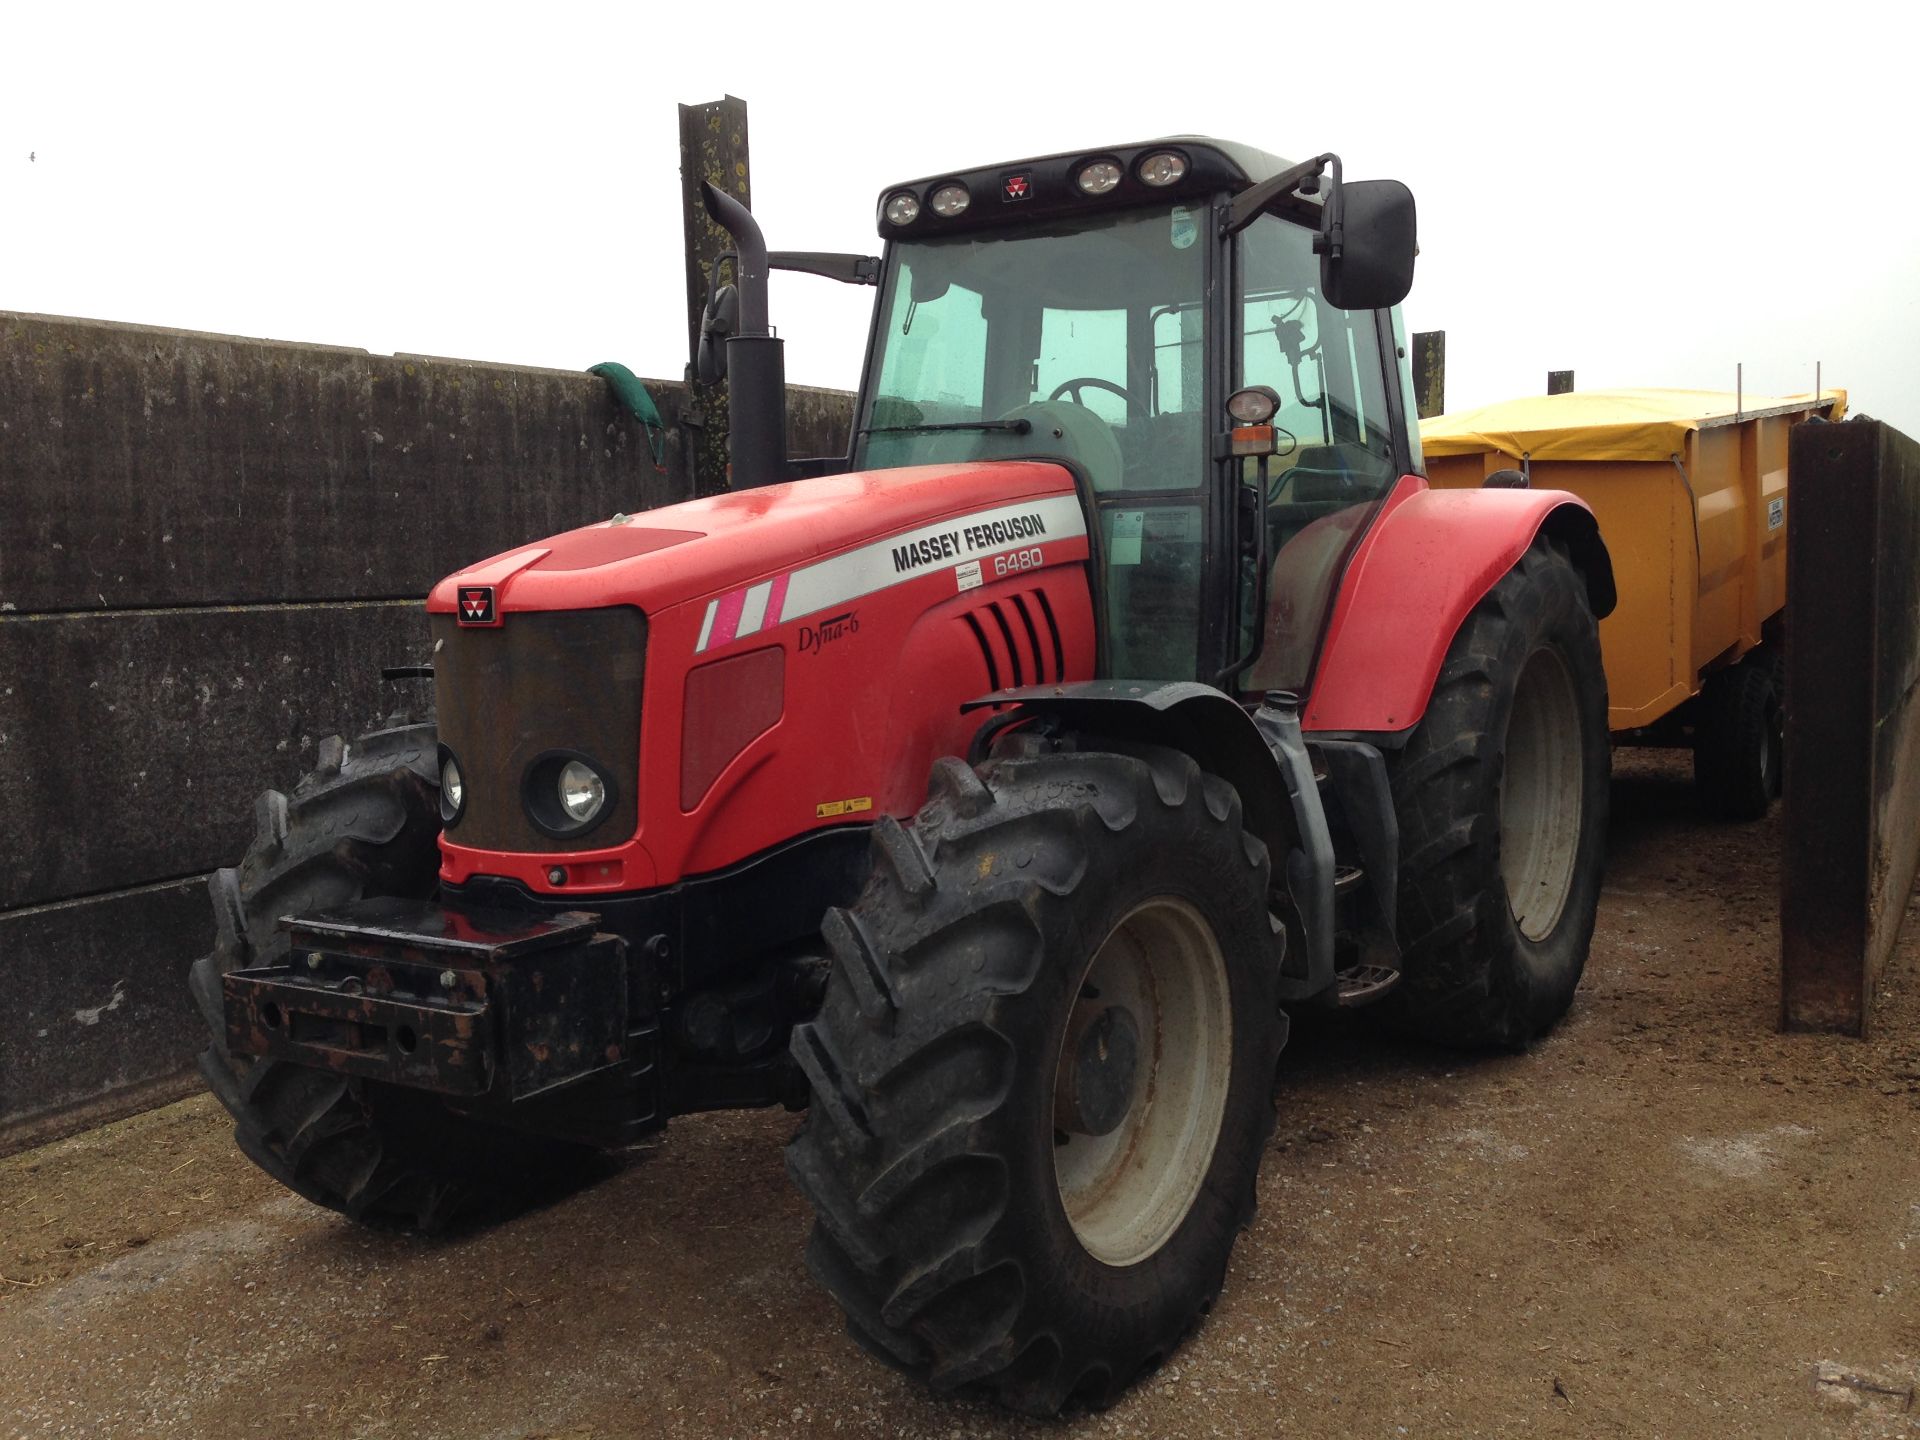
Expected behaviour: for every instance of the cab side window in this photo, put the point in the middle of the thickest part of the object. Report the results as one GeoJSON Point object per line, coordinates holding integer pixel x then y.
{"type": "Point", "coordinates": [1337, 457]}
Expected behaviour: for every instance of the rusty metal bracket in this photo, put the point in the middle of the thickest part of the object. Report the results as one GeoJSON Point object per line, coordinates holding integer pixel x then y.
{"type": "Point", "coordinates": [463, 1003]}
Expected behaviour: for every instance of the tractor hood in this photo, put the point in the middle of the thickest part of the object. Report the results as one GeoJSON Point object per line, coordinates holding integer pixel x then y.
{"type": "Point", "coordinates": [751, 560]}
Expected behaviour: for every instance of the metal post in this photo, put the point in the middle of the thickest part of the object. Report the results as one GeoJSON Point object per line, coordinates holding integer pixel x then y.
{"type": "Point", "coordinates": [1429, 373]}
{"type": "Point", "coordinates": [1559, 382]}
{"type": "Point", "coordinates": [713, 147]}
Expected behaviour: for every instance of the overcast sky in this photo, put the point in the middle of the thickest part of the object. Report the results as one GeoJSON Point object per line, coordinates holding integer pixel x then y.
{"type": "Point", "coordinates": [1644, 194]}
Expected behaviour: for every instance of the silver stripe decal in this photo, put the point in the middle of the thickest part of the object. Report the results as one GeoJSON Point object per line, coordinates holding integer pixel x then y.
{"type": "Point", "coordinates": [706, 626]}
{"type": "Point", "coordinates": [873, 567]}
{"type": "Point", "coordinates": [754, 610]}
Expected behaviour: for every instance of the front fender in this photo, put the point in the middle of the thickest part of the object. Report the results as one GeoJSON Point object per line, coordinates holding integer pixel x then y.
{"type": "Point", "coordinates": [1200, 720]}
{"type": "Point", "coordinates": [1429, 558]}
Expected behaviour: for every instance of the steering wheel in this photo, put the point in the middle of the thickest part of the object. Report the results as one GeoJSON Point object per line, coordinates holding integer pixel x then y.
{"type": "Point", "coordinates": [1073, 387]}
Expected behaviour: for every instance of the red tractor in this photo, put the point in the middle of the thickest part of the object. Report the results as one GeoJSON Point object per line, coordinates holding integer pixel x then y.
{"type": "Point", "coordinates": [994, 793]}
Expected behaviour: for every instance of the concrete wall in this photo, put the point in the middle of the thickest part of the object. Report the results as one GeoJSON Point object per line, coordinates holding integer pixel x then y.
{"type": "Point", "coordinates": [1852, 805]}
{"type": "Point", "coordinates": [209, 546]}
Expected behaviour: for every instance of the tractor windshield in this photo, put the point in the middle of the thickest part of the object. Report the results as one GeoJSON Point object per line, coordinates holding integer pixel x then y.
{"type": "Point", "coordinates": [1084, 339]}
{"type": "Point", "coordinates": [1092, 327]}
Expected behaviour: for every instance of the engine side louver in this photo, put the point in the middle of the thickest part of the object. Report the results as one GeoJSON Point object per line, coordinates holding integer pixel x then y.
{"type": "Point", "coordinates": [1019, 640]}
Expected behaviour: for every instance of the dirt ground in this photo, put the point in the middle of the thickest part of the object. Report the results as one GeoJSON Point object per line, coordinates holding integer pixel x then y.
{"type": "Point", "coordinates": [1666, 1219]}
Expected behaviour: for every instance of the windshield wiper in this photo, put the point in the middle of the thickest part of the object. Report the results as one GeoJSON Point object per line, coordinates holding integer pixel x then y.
{"type": "Point", "coordinates": [1012, 427]}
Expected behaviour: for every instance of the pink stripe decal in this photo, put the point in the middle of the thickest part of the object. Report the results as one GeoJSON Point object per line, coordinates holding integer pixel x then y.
{"type": "Point", "coordinates": [775, 600]}
{"type": "Point", "coordinates": [725, 623]}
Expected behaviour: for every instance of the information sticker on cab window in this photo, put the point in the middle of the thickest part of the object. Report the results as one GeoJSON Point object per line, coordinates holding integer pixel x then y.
{"type": "Point", "coordinates": [1186, 229]}
{"type": "Point", "coordinates": [1123, 546]}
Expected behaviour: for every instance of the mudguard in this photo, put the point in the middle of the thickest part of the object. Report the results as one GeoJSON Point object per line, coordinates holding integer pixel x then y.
{"type": "Point", "coordinates": [1200, 720]}
{"type": "Point", "coordinates": [1429, 558]}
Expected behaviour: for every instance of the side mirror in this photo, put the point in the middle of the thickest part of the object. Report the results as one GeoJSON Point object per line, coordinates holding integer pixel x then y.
{"type": "Point", "coordinates": [1372, 224]}
{"type": "Point", "coordinates": [721, 317]}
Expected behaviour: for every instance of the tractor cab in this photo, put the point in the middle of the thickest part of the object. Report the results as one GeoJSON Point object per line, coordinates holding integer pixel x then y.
{"type": "Point", "coordinates": [1101, 310]}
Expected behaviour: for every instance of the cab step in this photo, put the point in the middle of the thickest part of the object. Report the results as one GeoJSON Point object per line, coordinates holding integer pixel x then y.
{"type": "Point", "coordinates": [1363, 984]}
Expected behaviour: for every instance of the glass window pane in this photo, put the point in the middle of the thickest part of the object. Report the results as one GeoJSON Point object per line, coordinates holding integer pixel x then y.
{"type": "Point", "coordinates": [1094, 331]}
{"type": "Point", "coordinates": [983, 326]}
{"type": "Point", "coordinates": [1327, 368]}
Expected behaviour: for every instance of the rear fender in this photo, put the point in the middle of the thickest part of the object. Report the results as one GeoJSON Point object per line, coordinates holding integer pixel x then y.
{"type": "Point", "coordinates": [1429, 558]}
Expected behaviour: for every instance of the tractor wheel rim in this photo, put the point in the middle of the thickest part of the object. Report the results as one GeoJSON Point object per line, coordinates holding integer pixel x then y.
{"type": "Point", "coordinates": [1540, 794]}
{"type": "Point", "coordinates": [1126, 1191]}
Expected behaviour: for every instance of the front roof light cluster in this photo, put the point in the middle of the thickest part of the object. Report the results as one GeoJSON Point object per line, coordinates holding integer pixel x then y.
{"type": "Point", "coordinates": [1163, 167]}
{"type": "Point", "coordinates": [1097, 177]}
{"type": "Point", "coordinates": [902, 208]}
{"type": "Point", "coordinates": [950, 200]}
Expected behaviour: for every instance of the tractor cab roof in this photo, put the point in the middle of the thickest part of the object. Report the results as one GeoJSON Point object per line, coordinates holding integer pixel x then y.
{"type": "Point", "coordinates": [1058, 185]}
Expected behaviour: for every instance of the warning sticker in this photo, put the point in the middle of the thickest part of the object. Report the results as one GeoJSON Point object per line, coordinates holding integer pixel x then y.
{"type": "Point", "coordinates": [968, 574]}
{"type": "Point", "coordinates": [832, 808]}
{"type": "Point", "coordinates": [1776, 512]}
{"type": "Point", "coordinates": [1124, 546]}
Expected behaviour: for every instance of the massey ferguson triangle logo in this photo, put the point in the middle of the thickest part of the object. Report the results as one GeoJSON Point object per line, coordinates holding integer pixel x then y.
{"type": "Point", "coordinates": [1016, 187]}
{"type": "Point", "coordinates": [476, 604]}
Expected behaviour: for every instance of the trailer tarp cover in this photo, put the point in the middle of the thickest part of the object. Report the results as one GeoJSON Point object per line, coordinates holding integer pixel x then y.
{"type": "Point", "coordinates": [1607, 424]}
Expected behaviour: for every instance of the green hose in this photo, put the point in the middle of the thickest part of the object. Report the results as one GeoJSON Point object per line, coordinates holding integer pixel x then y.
{"type": "Point", "coordinates": [635, 400]}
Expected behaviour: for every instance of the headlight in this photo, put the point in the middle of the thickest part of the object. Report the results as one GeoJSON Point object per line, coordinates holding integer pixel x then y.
{"type": "Point", "coordinates": [950, 200]}
{"type": "Point", "coordinates": [902, 208]}
{"type": "Point", "coordinates": [567, 794]}
{"type": "Point", "coordinates": [1099, 177]}
{"type": "Point", "coordinates": [1163, 167]}
{"type": "Point", "coordinates": [582, 792]}
{"type": "Point", "coordinates": [453, 789]}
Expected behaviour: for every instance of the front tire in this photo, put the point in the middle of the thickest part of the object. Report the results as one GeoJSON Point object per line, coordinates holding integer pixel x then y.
{"type": "Point", "coordinates": [1501, 795]}
{"type": "Point", "coordinates": [1042, 1075]}
{"type": "Point", "coordinates": [365, 822]}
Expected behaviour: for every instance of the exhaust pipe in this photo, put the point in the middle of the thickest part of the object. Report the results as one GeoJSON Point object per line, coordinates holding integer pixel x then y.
{"type": "Point", "coordinates": [756, 361]}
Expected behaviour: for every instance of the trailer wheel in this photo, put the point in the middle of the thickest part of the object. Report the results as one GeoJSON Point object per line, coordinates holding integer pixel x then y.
{"type": "Point", "coordinates": [1042, 1076]}
{"type": "Point", "coordinates": [1501, 795]}
{"type": "Point", "coordinates": [365, 822]}
{"type": "Point", "coordinates": [1738, 739]}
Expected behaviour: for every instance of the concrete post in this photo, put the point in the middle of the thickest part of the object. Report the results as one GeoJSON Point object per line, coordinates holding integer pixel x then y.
{"type": "Point", "coordinates": [1430, 373]}
{"type": "Point", "coordinates": [713, 146]}
{"type": "Point", "coordinates": [1851, 813]}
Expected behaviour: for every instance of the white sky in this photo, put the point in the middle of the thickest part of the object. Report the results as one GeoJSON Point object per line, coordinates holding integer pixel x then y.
{"type": "Point", "coordinates": [1646, 194]}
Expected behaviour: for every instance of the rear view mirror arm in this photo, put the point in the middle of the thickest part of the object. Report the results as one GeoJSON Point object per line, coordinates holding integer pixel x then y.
{"type": "Point", "coordinates": [847, 269]}
{"type": "Point", "coordinates": [1250, 204]}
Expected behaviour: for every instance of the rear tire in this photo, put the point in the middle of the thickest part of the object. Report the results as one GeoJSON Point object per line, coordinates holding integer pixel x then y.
{"type": "Point", "coordinates": [982, 1216]}
{"type": "Point", "coordinates": [1501, 795]}
{"type": "Point", "coordinates": [1738, 739]}
{"type": "Point", "coordinates": [366, 822]}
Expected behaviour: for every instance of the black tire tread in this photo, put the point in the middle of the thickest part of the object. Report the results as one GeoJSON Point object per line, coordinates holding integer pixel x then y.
{"type": "Point", "coordinates": [1738, 710]}
{"type": "Point", "coordinates": [911, 1198]}
{"type": "Point", "coordinates": [363, 822]}
{"type": "Point", "coordinates": [1459, 987]}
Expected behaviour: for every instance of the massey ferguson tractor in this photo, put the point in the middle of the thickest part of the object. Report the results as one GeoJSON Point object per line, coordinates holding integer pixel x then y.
{"type": "Point", "coordinates": [994, 793]}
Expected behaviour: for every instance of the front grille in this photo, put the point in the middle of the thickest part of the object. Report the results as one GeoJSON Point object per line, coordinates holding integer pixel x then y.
{"type": "Point", "coordinates": [541, 681]}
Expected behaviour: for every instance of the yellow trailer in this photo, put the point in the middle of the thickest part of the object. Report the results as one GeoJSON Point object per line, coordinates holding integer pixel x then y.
{"type": "Point", "coordinates": [1690, 488]}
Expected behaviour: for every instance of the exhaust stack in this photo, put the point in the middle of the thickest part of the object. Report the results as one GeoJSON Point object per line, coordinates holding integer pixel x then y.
{"type": "Point", "coordinates": [756, 365]}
